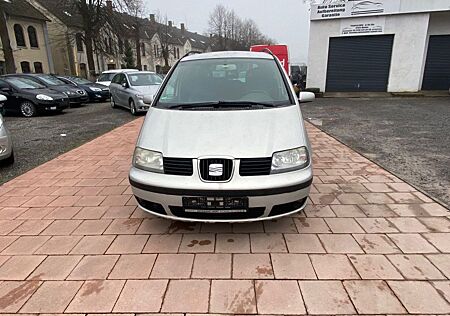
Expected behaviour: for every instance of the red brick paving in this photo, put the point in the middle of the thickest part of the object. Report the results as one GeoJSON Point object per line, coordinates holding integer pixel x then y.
{"type": "Point", "coordinates": [73, 241]}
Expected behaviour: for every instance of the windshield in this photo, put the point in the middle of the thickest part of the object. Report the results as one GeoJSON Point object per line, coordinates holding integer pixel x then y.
{"type": "Point", "coordinates": [144, 79]}
{"type": "Point", "coordinates": [80, 80]}
{"type": "Point", "coordinates": [226, 81]}
{"type": "Point", "coordinates": [51, 81]}
{"type": "Point", "coordinates": [23, 83]}
{"type": "Point", "coordinates": [106, 77]}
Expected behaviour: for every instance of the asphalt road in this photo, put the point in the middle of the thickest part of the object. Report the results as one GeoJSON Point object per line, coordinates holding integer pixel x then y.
{"type": "Point", "coordinates": [38, 139]}
{"type": "Point", "coordinates": [408, 136]}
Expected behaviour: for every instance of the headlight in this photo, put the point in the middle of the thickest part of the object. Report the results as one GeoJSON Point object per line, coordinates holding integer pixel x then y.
{"type": "Point", "coordinates": [44, 97]}
{"type": "Point", "coordinates": [140, 96]}
{"type": "Point", "coordinates": [290, 160]}
{"type": "Point", "coordinates": [148, 160]}
{"type": "Point", "coordinates": [95, 89]}
{"type": "Point", "coordinates": [70, 93]}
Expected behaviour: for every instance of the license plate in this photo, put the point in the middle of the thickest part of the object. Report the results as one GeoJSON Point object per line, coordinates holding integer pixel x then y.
{"type": "Point", "coordinates": [215, 211]}
{"type": "Point", "coordinates": [53, 108]}
{"type": "Point", "coordinates": [215, 203]}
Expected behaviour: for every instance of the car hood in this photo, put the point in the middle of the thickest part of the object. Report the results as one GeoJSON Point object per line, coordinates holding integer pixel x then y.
{"type": "Point", "coordinates": [104, 83]}
{"type": "Point", "coordinates": [238, 134]}
{"type": "Point", "coordinates": [147, 90]}
{"type": "Point", "coordinates": [65, 88]}
{"type": "Point", "coordinates": [94, 85]}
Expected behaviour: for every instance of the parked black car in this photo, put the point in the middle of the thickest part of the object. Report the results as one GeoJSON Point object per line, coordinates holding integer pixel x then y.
{"type": "Point", "coordinates": [95, 91]}
{"type": "Point", "coordinates": [76, 95]}
{"type": "Point", "coordinates": [29, 97]}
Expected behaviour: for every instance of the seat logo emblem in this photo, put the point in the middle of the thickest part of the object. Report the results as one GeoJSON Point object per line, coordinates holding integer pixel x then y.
{"type": "Point", "coordinates": [215, 169]}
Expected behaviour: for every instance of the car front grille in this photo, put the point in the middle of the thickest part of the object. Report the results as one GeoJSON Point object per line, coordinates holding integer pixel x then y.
{"type": "Point", "coordinates": [255, 166]}
{"type": "Point", "coordinates": [178, 166]}
{"type": "Point", "coordinates": [216, 169]}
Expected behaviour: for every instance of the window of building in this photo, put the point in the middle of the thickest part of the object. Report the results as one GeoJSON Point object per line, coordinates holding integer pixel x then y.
{"type": "Point", "coordinates": [20, 38]}
{"type": "Point", "coordinates": [25, 67]}
{"type": "Point", "coordinates": [120, 46]}
{"type": "Point", "coordinates": [145, 68]}
{"type": "Point", "coordinates": [143, 49]}
{"type": "Point", "coordinates": [178, 53]}
{"type": "Point", "coordinates": [2, 68]}
{"type": "Point", "coordinates": [174, 52]}
{"type": "Point", "coordinates": [32, 36]}
{"type": "Point", "coordinates": [83, 70]}
{"type": "Point", "coordinates": [38, 67]}
{"type": "Point", "coordinates": [155, 51]}
{"type": "Point", "coordinates": [79, 42]}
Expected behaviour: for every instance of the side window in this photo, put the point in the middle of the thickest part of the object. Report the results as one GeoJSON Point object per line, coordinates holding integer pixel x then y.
{"type": "Point", "coordinates": [116, 79]}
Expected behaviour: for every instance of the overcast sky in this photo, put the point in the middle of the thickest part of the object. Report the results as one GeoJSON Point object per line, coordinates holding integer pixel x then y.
{"type": "Point", "coordinates": [286, 21]}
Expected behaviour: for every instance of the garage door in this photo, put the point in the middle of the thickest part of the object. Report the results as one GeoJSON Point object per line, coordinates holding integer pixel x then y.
{"type": "Point", "coordinates": [359, 63]}
{"type": "Point", "coordinates": [437, 67]}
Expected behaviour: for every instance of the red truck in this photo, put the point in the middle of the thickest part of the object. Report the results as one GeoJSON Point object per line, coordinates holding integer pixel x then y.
{"type": "Point", "coordinates": [281, 51]}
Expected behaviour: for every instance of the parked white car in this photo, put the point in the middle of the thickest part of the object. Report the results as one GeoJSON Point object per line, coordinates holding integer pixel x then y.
{"type": "Point", "coordinates": [106, 76]}
{"type": "Point", "coordinates": [6, 146]}
{"type": "Point", "coordinates": [134, 90]}
{"type": "Point", "coordinates": [224, 141]}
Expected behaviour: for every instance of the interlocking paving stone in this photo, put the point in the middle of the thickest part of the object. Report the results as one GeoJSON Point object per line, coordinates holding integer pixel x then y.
{"type": "Point", "coordinates": [71, 234]}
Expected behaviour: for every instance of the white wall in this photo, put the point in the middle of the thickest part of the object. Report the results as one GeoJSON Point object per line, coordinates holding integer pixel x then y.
{"type": "Point", "coordinates": [411, 33]}
{"type": "Point", "coordinates": [408, 52]}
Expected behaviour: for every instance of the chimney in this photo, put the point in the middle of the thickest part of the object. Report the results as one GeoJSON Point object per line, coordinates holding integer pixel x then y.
{"type": "Point", "coordinates": [170, 23]}
{"type": "Point", "coordinates": [182, 27]}
{"type": "Point", "coordinates": [109, 5]}
{"type": "Point", "coordinates": [152, 18]}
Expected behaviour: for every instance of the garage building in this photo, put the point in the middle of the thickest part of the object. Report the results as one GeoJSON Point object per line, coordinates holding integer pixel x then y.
{"type": "Point", "coordinates": [380, 46]}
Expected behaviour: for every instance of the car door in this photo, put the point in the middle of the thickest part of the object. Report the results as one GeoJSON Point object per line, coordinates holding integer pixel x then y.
{"type": "Point", "coordinates": [114, 88]}
{"type": "Point", "coordinates": [123, 90]}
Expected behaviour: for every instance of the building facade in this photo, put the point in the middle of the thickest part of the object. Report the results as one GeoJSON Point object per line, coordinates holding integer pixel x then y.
{"type": "Point", "coordinates": [28, 34]}
{"type": "Point", "coordinates": [380, 46]}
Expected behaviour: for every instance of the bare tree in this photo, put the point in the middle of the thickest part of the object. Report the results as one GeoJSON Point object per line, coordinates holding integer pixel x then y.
{"type": "Point", "coordinates": [136, 9]}
{"type": "Point", "coordinates": [232, 33]}
{"type": "Point", "coordinates": [4, 37]}
{"type": "Point", "coordinates": [164, 31]}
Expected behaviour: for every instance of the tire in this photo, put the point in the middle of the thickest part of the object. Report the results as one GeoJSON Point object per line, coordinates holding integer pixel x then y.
{"type": "Point", "coordinates": [113, 104]}
{"type": "Point", "coordinates": [8, 161]}
{"type": "Point", "coordinates": [133, 108]}
{"type": "Point", "coordinates": [28, 109]}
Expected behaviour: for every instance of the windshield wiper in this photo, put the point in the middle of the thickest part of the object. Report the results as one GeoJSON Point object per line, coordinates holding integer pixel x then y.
{"type": "Point", "coordinates": [220, 104]}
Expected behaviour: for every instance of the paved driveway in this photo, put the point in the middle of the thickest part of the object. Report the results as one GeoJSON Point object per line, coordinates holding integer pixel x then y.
{"type": "Point", "coordinates": [408, 136]}
{"type": "Point", "coordinates": [39, 139]}
{"type": "Point", "coordinates": [73, 241]}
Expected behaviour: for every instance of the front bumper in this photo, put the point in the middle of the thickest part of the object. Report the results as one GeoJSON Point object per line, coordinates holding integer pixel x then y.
{"type": "Point", "coordinates": [141, 106]}
{"type": "Point", "coordinates": [78, 99]}
{"type": "Point", "coordinates": [98, 95]}
{"type": "Point", "coordinates": [54, 105]}
{"type": "Point", "coordinates": [6, 145]}
{"type": "Point", "coordinates": [268, 197]}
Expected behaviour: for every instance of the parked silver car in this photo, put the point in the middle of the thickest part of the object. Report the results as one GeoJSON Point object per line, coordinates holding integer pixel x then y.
{"type": "Point", "coordinates": [224, 140]}
{"type": "Point", "coordinates": [131, 89]}
{"type": "Point", "coordinates": [6, 146]}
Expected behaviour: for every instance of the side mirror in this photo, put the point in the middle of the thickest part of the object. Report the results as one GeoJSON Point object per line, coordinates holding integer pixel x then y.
{"type": "Point", "coordinates": [125, 85]}
{"type": "Point", "coordinates": [306, 97]}
{"type": "Point", "coordinates": [148, 99]}
{"type": "Point", "coordinates": [6, 90]}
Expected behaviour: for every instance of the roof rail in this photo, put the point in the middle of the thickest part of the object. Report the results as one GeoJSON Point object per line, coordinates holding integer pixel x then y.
{"type": "Point", "coordinates": [191, 53]}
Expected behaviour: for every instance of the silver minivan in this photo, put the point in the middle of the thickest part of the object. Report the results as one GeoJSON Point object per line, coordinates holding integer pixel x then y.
{"type": "Point", "coordinates": [6, 146]}
{"type": "Point", "coordinates": [134, 90]}
{"type": "Point", "coordinates": [223, 141]}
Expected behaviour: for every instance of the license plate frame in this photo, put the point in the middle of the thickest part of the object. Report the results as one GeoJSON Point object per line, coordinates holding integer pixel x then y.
{"type": "Point", "coordinates": [216, 203]}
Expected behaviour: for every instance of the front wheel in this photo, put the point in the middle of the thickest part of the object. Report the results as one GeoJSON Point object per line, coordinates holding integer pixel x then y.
{"type": "Point", "coordinates": [28, 109]}
{"type": "Point", "coordinates": [133, 108]}
{"type": "Point", "coordinates": [113, 104]}
{"type": "Point", "coordinates": [8, 161]}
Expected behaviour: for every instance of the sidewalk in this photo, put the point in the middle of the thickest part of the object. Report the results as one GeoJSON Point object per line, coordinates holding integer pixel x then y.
{"type": "Point", "coordinates": [73, 241]}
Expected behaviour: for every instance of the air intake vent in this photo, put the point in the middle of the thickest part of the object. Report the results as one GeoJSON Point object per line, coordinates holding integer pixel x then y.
{"type": "Point", "coordinates": [178, 166]}
{"type": "Point", "coordinates": [255, 166]}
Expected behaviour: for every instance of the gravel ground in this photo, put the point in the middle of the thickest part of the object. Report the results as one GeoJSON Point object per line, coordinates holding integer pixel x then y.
{"type": "Point", "coordinates": [408, 136]}
{"type": "Point", "coordinates": [39, 139]}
